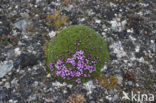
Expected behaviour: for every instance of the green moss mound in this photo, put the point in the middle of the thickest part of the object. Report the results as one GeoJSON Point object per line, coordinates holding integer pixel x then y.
{"type": "Point", "coordinates": [77, 38]}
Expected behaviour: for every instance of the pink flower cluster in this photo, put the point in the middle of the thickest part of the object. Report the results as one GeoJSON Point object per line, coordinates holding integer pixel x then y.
{"type": "Point", "coordinates": [81, 67]}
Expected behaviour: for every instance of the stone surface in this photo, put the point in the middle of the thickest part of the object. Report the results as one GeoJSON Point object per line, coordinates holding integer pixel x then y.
{"type": "Point", "coordinates": [5, 67]}
{"type": "Point", "coordinates": [3, 94]}
{"type": "Point", "coordinates": [4, 26]}
{"type": "Point", "coordinates": [21, 24]}
{"type": "Point", "coordinates": [25, 60]}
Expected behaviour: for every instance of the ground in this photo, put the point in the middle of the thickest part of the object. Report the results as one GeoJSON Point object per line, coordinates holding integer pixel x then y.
{"type": "Point", "coordinates": [26, 26]}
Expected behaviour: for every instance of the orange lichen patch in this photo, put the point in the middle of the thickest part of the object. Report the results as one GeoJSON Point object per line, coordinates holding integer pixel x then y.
{"type": "Point", "coordinates": [67, 2]}
{"type": "Point", "coordinates": [60, 21]}
{"type": "Point", "coordinates": [55, 15]}
{"type": "Point", "coordinates": [29, 28]}
{"type": "Point", "coordinates": [79, 98]}
{"type": "Point", "coordinates": [108, 82]}
{"type": "Point", "coordinates": [37, 11]}
{"type": "Point", "coordinates": [24, 5]}
{"type": "Point", "coordinates": [57, 19]}
{"type": "Point", "coordinates": [62, 87]}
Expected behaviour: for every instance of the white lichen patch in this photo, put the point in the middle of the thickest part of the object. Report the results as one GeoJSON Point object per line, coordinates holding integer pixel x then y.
{"type": "Point", "coordinates": [132, 38]}
{"type": "Point", "coordinates": [137, 48]}
{"type": "Point", "coordinates": [52, 34]}
{"type": "Point", "coordinates": [104, 68]}
{"type": "Point", "coordinates": [130, 30]}
{"type": "Point", "coordinates": [120, 79]}
{"type": "Point", "coordinates": [58, 84]}
{"type": "Point", "coordinates": [97, 21]}
{"type": "Point", "coordinates": [17, 51]}
{"type": "Point", "coordinates": [118, 49]}
{"type": "Point", "coordinates": [117, 25]}
{"type": "Point", "coordinates": [89, 86]}
{"type": "Point", "coordinates": [5, 67]}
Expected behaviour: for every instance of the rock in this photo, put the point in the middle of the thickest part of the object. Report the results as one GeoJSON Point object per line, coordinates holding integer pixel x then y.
{"type": "Point", "coordinates": [118, 49]}
{"type": "Point", "coordinates": [137, 48]}
{"type": "Point", "coordinates": [115, 98]}
{"type": "Point", "coordinates": [139, 54]}
{"type": "Point", "coordinates": [69, 8]}
{"type": "Point", "coordinates": [130, 83]}
{"type": "Point", "coordinates": [92, 102]}
{"type": "Point", "coordinates": [25, 60]}
{"type": "Point", "coordinates": [118, 26]}
{"type": "Point", "coordinates": [17, 51]}
{"type": "Point", "coordinates": [90, 97]}
{"type": "Point", "coordinates": [35, 84]}
{"type": "Point", "coordinates": [58, 84]}
{"type": "Point", "coordinates": [7, 85]}
{"type": "Point", "coordinates": [5, 68]}
{"type": "Point", "coordinates": [1, 83]}
{"type": "Point", "coordinates": [10, 53]}
{"type": "Point", "coordinates": [4, 26]}
{"type": "Point", "coordinates": [14, 82]}
{"type": "Point", "coordinates": [25, 81]}
{"type": "Point", "coordinates": [123, 34]}
{"type": "Point", "coordinates": [113, 56]}
{"type": "Point", "coordinates": [110, 14]}
{"type": "Point", "coordinates": [25, 92]}
{"type": "Point", "coordinates": [97, 21]}
{"type": "Point", "coordinates": [37, 1]}
{"type": "Point", "coordinates": [48, 75]}
{"type": "Point", "coordinates": [118, 19]}
{"type": "Point", "coordinates": [120, 79]}
{"type": "Point", "coordinates": [21, 24]}
{"type": "Point", "coordinates": [89, 86]}
{"type": "Point", "coordinates": [3, 94]}
{"type": "Point", "coordinates": [60, 100]}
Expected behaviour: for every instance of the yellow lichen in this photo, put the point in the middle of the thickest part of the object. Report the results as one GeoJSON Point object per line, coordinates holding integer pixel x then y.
{"type": "Point", "coordinates": [60, 21]}
{"type": "Point", "coordinates": [79, 98]}
{"type": "Point", "coordinates": [55, 15]}
{"type": "Point", "coordinates": [29, 28]}
{"type": "Point", "coordinates": [57, 19]}
{"type": "Point", "coordinates": [108, 82]}
{"type": "Point", "coordinates": [3, 39]}
{"type": "Point", "coordinates": [67, 2]}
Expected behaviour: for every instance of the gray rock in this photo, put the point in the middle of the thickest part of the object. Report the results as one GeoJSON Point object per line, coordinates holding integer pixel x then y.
{"type": "Point", "coordinates": [92, 102]}
{"type": "Point", "coordinates": [25, 60]}
{"type": "Point", "coordinates": [15, 97]}
{"type": "Point", "coordinates": [130, 83]}
{"type": "Point", "coordinates": [4, 26]}
{"type": "Point", "coordinates": [26, 92]}
{"type": "Point", "coordinates": [3, 94]}
{"type": "Point", "coordinates": [5, 68]}
{"type": "Point", "coordinates": [22, 24]}
{"type": "Point", "coordinates": [7, 85]}
{"type": "Point", "coordinates": [10, 53]}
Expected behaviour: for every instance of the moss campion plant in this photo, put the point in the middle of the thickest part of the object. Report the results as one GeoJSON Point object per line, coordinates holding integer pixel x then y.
{"type": "Point", "coordinates": [76, 54]}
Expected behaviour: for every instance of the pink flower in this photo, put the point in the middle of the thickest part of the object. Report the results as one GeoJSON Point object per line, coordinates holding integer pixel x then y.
{"type": "Point", "coordinates": [51, 66]}
{"type": "Point", "coordinates": [78, 80]}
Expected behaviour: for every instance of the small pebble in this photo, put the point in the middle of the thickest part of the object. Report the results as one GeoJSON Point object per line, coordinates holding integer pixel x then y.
{"type": "Point", "coordinates": [130, 83]}
{"type": "Point", "coordinates": [49, 75]}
